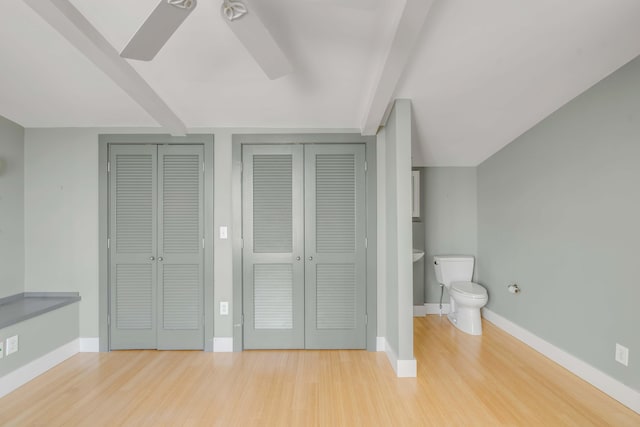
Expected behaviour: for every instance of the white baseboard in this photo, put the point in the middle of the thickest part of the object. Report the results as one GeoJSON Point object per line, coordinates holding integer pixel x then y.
{"type": "Point", "coordinates": [223, 344]}
{"type": "Point", "coordinates": [26, 373]}
{"type": "Point", "coordinates": [429, 308]}
{"type": "Point", "coordinates": [89, 345]}
{"type": "Point", "coordinates": [407, 368]}
{"type": "Point", "coordinates": [434, 308]}
{"type": "Point", "coordinates": [614, 388]}
{"type": "Point", "coordinates": [381, 344]}
{"type": "Point", "coordinates": [419, 310]}
{"type": "Point", "coordinates": [404, 368]}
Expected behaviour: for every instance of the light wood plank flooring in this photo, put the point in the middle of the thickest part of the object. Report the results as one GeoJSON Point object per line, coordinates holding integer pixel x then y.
{"type": "Point", "coordinates": [493, 380]}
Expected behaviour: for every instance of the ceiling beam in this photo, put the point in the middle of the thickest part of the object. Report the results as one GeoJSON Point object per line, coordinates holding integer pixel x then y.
{"type": "Point", "coordinates": [402, 46]}
{"type": "Point", "coordinates": [73, 26]}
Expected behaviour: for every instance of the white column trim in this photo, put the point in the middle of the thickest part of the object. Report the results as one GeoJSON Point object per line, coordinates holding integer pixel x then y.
{"type": "Point", "coordinates": [404, 368]}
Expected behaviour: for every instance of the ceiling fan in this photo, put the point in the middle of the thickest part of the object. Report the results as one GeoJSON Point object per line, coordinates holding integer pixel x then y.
{"type": "Point", "coordinates": [243, 21]}
{"type": "Point", "coordinates": [241, 18]}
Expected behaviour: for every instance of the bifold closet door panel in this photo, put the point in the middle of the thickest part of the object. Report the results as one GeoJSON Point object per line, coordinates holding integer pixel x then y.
{"type": "Point", "coordinates": [335, 231]}
{"type": "Point", "coordinates": [133, 224]}
{"type": "Point", "coordinates": [273, 257]}
{"type": "Point", "coordinates": [180, 247]}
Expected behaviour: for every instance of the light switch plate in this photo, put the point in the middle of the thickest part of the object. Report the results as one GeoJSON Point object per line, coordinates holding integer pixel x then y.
{"type": "Point", "coordinates": [223, 232]}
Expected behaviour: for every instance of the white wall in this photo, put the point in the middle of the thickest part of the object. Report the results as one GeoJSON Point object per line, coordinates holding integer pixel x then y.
{"type": "Point", "coordinates": [11, 208]}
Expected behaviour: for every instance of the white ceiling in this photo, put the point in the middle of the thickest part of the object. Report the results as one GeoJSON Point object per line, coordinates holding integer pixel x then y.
{"type": "Point", "coordinates": [482, 73]}
{"type": "Point", "coordinates": [487, 71]}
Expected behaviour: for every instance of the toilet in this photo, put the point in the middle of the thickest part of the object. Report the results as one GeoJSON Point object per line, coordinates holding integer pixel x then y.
{"type": "Point", "coordinates": [465, 297]}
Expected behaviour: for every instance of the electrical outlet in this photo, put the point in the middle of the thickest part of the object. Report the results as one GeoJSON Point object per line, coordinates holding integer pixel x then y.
{"type": "Point", "coordinates": [622, 354]}
{"type": "Point", "coordinates": [224, 308]}
{"type": "Point", "coordinates": [1, 349]}
{"type": "Point", "coordinates": [12, 345]}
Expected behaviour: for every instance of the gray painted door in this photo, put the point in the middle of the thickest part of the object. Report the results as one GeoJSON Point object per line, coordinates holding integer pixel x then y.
{"type": "Point", "coordinates": [133, 242]}
{"type": "Point", "coordinates": [273, 257]}
{"type": "Point", "coordinates": [304, 223]}
{"type": "Point", "coordinates": [180, 247]}
{"type": "Point", "coordinates": [156, 260]}
{"type": "Point", "coordinates": [335, 231]}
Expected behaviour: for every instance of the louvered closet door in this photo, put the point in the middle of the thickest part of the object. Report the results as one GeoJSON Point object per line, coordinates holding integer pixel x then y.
{"type": "Point", "coordinates": [273, 258]}
{"type": "Point", "coordinates": [133, 203]}
{"type": "Point", "coordinates": [180, 252]}
{"type": "Point", "coordinates": [335, 231]}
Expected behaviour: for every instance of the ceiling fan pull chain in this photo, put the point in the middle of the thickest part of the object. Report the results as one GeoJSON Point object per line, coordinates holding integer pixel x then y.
{"type": "Point", "coordinates": [182, 4]}
{"type": "Point", "coordinates": [233, 9]}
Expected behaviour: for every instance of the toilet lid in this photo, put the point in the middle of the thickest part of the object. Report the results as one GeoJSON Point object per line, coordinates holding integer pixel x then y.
{"type": "Point", "coordinates": [469, 289]}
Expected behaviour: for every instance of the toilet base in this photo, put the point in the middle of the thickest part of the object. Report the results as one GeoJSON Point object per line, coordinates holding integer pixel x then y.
{"type": "Point", "coordinates": [467, 319]}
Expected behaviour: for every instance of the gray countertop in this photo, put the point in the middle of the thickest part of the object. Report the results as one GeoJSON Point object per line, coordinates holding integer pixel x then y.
{"type": "Point", "coordinates": [20, 307]}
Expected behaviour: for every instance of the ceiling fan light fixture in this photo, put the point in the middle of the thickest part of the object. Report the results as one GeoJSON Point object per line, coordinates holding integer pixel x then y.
{"type": "Point", "coordinates": [182, 4]}
{"type": "Point", "coordinates": [233, 9]}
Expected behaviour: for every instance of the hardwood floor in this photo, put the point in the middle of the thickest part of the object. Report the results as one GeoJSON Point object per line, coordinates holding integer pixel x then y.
{"type": "Point", "coordinates": [493, 380]}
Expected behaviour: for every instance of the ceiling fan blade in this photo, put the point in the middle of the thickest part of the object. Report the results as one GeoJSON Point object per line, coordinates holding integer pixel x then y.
{"type": "Point", "coordinates": [157, 29]}
{"type": "Point", "coordinates": [257, 39]}
{"type": "Point", "coordinates": [349, 4]}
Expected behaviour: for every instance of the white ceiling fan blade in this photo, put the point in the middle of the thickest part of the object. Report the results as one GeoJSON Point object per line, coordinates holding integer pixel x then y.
{"type": "Point", "coordinates": [257, 39]}
{"type": "Point", "coordinates": [349, 4]}
{"type": "Point", "coordinates": [157, 29]}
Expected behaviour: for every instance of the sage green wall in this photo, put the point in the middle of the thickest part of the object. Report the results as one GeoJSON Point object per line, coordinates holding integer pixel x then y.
{"type": "Point", "coordinates": [559, 213]}
{"type": "Point", "coordinates": [450, 219]}
{"type": "Point", "coordinates": [419, 266]}
{"type": "Point", "coordinates": [61, 217]}
{"type": "Point", "coordinates": [40, 335]}
{"type": "Point", "coordinates": [398, 241]}
{"type": "Point", "coordinates": [418, 228]}
{"type": "Point", "coordinates": [11, 208]}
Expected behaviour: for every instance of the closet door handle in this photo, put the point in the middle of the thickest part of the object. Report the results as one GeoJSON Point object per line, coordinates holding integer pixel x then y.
{"type": "Point", "coordinates": [297, 258]}
{"type": "Point", "coordinates": [310, 258]}
{"type": "Point", "coordinates": [160, 258]}
{"type": "Point", "coordinates": [152, 258]}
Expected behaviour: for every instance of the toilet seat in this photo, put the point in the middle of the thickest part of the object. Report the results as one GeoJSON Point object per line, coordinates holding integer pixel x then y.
{"type": "Point", "coordinates": [469, 290]}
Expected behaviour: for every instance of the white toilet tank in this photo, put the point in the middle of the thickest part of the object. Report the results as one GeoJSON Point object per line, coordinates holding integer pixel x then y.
{"type": "Point", "coordinates": [451, 269]}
